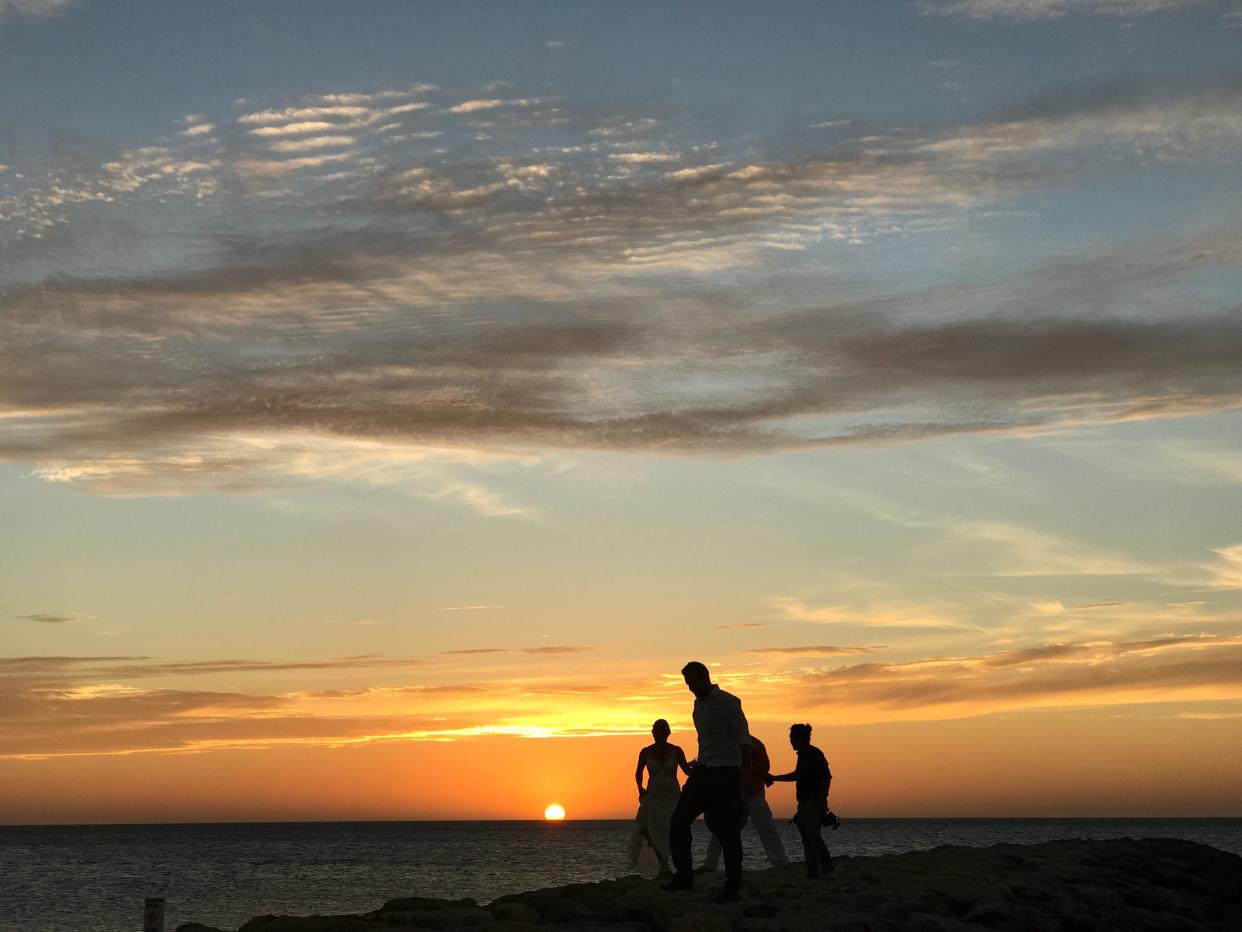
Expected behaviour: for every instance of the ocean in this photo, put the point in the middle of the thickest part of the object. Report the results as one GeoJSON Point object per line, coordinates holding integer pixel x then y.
{"type": "Point", "coordinates": [93, 878]}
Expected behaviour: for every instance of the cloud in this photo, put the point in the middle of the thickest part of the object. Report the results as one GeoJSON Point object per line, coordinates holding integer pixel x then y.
{"type": "Point", "coordinates": [128, 667]}
{"type": "Point", "coordinates": [295, 128]}
{"type": "Point", "coordinates": [643, 158]}
{"type": "Point", "coordinates": [314, 142]}
{"type": "Point", "coordinates": [1027, 552]}
{"type": "Point", "coordinates": [35, 8]}
{"type": "Point", "coordinates": [912, 617]}
{"type": "Point", "coordinates": [304, 114]}
{"type": "Point", "coordinates": [50, 618]}
{"type": "Point", "coordinates": [89, 705]}
{"type": "Point", "coordinates": [822, 650]}
{"type": "Point", "coordinates": [520, 650]}
{"type": "Point", "coordinates": [473, 106]}
{"type": "Point", "coordinates": [1050, 9]}
{"type": "Point", "coordinates": [1226, 573]}
{"type": "Point", "coordinates": [391, 311]}
{"type": "Point", "coordinates": [1084, 673]}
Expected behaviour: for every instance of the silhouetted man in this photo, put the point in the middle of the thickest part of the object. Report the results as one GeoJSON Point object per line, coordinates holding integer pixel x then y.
{"type": "Point", "coordinates": [714, 787]}
{"type": "Point", "coordinates": [812, 779]}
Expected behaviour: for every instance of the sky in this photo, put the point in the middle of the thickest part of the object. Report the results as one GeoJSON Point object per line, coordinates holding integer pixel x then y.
{"type": "Point", "coordinates": [394, 396]}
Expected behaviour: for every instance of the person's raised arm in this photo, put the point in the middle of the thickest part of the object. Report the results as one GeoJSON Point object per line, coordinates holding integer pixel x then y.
{"type": "Point", "coordinates": [682, 762]}
{"type": "Point", "coordinates": [784, 777]}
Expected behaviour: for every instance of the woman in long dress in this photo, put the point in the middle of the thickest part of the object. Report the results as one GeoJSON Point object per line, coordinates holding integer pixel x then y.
{"type": "Point", "coordinates": [657, 800]}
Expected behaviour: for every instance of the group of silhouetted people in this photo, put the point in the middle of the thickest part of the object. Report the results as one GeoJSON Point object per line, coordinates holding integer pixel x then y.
{"type": "Point", "coordinates": [725, 784]}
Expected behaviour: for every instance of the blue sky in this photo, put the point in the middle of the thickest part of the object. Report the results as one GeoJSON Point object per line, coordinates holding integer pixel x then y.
{"type": "Point", "coordinates": [838, 342]}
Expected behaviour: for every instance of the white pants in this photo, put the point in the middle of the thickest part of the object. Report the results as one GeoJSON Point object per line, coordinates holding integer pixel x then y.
{"type": "Point", "coordinates": [761, 818]}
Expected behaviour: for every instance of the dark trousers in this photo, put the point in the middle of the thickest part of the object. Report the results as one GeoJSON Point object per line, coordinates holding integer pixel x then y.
{"type": "Point", "coordinates": [716, 794]}
{"type": "Point", "coordinates": [810, 814]}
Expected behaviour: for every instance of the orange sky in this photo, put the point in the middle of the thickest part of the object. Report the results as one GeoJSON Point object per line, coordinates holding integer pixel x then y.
{"type": "Point", "coordinates": [1029, 764]}
{"type": "Point", "coordinates": [1138, 727]}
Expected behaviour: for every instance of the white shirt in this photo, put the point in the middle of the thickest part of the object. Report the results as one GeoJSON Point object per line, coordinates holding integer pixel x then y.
{"type": "Point", "coordinates": [722, 728]}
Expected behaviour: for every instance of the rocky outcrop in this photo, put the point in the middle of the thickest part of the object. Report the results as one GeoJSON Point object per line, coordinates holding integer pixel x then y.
{"type": "Point", "coordinates": [1061, 886]}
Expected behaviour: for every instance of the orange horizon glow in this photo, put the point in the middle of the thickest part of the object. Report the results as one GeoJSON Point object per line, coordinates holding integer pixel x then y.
{"type": "Point", "coordinates": [1031, 765]}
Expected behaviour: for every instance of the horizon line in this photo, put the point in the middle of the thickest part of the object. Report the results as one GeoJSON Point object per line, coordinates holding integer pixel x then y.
{"type": "Point", "coordinates": [541, 821]}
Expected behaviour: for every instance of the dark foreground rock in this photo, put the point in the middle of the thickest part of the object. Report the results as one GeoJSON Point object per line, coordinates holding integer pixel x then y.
{"type": "Point", "coordinates": [1060, 886]}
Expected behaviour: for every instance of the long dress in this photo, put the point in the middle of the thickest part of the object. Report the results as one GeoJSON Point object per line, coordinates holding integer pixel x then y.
{"type": "Point", "coordinates": [656, 810]}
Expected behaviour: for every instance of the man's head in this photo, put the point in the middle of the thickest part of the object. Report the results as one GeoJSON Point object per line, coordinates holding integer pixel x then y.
{"type": "Point", "coordinates": [660, 730]}
{"type": "Point", "coordinates": [698, 680]}
{"type": "Point", "coordinates": [800, 736]}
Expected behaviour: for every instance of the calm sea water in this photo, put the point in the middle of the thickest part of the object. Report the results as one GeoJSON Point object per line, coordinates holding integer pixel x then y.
{"type": "Point", "coordinates": [94, 878]}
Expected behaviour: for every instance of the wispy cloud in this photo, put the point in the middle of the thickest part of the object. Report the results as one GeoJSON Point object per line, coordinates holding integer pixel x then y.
{"type": "Point", "coordinates": [89, 705]}
{"type": "Point", "coordinates": [53, 618]}
{"type": "Point", "coordinates": [520, 650]}
{"type": "Point", "coordinates": [889, 616]}
{"type": "Point", "coordinates": [1226, 572]}
{"type": "Point", "coordinates": [473, 106]}
{"type": "Point", "coordinates": [36, 8]}
{"type": "Point", "coordinates": [819, 650]}
{"type": "Point", "coordinates": [101, 705]}
{"type": "Point", "coordinates": [1050, 9]}
{"type": "Point", "coordinates": [122, 667]}
{"type": "Point", "coordinates": [1094, 673]}
{"type": "Point", "coordinates": [379, 333]}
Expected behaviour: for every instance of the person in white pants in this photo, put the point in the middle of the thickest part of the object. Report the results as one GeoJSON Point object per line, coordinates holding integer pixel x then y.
{"type": "Point", "coordinates": [758, 810]}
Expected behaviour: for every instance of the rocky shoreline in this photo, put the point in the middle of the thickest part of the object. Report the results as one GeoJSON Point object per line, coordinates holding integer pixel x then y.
{"type": "Point", "coordinates": [1061, 886]}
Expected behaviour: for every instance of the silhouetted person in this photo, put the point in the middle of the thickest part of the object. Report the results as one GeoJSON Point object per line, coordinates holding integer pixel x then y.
{"type": "Point", "coordinates": [714, 788]}
{"type": "Point", "coordinates": [812, 779]}
{"type": "Point", "coordinates": [753, 781]}
{"type": "Point", "coordinates": [658, 799]}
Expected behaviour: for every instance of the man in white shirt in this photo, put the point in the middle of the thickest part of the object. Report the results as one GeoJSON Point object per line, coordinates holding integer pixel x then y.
{"type": "Point", "coordinates": [714, 788]}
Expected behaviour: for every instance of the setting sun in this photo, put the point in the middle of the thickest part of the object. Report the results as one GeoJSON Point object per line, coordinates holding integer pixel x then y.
{"type": "Point", "coordinates": [554, 813]}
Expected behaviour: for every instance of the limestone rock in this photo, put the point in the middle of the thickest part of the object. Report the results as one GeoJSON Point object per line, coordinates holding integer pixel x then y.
{"type": "Point", "coordinates": [1061, 886]}
{"type": "Point", "coordinates": [515, 911]}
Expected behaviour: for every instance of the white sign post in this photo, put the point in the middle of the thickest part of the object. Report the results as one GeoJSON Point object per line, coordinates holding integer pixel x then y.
{"type": "Point", "coordinates": [153, 914]}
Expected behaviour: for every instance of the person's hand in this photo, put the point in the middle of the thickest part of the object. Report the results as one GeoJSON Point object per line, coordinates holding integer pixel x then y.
{"type": "Point", "coordinates": [641, 793]}
{"type": "Point", "coordinates": [767, 779]}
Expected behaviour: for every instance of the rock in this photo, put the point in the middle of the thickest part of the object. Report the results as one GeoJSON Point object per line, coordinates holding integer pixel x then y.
{"type": "Point", "coordinates": [1063, 886]}
{"type": "Point", "coordinates": [991, 915]}
{"type": "Point", "coordinates": [516, 911]}
{"type": "Point", "coordinates": [311, 924]}
{"type": "Point", "coordinates": [409, 904]}
{"type": "Point", "coordinates": [197, 927]}
{"type": "Point", "coordinates": [701, 922]}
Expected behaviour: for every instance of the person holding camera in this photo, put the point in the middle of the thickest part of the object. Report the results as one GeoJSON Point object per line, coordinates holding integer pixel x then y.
{"type": "Point", "coordinates": [812, 779]}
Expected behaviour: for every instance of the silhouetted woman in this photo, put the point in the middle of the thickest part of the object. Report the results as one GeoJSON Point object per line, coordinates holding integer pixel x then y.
{"type": "Point", "coordinates": [658, 799]}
